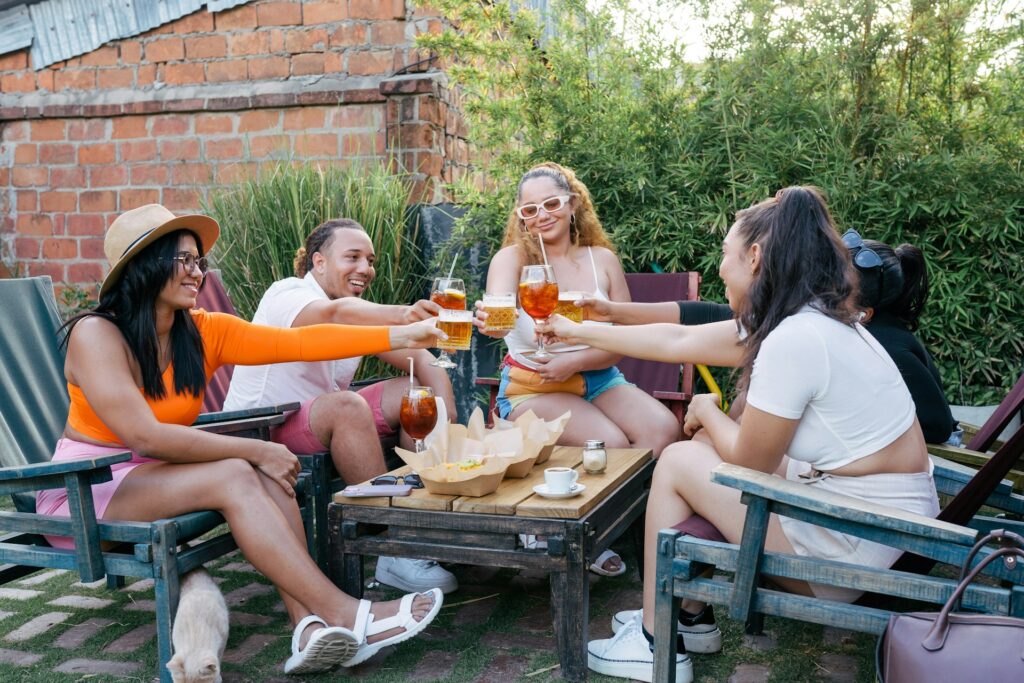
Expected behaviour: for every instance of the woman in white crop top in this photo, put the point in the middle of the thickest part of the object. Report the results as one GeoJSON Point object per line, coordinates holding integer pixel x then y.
{"type": "Point", "coordinates": [826, 406]}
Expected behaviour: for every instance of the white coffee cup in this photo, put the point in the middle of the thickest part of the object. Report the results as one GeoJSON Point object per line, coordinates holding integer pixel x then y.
{"type": "Point", "coordinates": [560, 479]}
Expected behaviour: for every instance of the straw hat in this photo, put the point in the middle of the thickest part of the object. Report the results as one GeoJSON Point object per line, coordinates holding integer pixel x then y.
{"type": "Point", "coordinates": [134, 230]}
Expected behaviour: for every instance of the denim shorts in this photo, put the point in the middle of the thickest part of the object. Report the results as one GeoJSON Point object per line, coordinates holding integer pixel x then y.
{"type": "Point", "coordinates": [597, 382]}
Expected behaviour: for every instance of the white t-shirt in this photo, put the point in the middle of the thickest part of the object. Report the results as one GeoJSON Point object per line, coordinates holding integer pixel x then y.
{"type": "Point", "coordinates": [260, 385]}
{"type": "Point", "coordinates": [838, 381]}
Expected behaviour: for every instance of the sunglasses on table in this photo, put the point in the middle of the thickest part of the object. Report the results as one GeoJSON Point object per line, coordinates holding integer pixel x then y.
{"type": "Point", "coordinates": [190, 261]}
{"type": "Point", "coordinates": [551, 204]}
{"type": "Point", "coordinates": [412, 479]}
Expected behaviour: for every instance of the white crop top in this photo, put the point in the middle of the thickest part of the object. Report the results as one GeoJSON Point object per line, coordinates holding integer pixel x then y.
{"type": "Point", "coordinates": [521, 339]}
{"type": "Point", "coordinates": [838, 381]}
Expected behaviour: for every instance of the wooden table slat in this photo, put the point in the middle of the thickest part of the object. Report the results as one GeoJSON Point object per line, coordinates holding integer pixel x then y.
{"type": "Point", "coordinates": [512, 492]}
{"type": "Point", "coordinates": [622, 463]}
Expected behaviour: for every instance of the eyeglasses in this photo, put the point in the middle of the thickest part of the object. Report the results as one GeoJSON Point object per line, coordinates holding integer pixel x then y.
{"type": "Point", "coordinates": [865, 258]}
{"type": "Point", "coordinates": [552, 204]}
{"type": "Point", "coordinates": [412, 479]}
{"type": "Point", "coordinates": [189, 261]}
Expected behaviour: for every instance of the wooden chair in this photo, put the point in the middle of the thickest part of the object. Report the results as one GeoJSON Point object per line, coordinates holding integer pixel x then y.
{"type": "Point", "coordinates": [33, 409]}
{"type": "Point", "coordinates": [664, 381]}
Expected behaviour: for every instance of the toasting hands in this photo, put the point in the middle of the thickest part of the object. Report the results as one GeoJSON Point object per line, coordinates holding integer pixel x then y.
{"type": "Point", "coordinates": [420, 335]}
{"type": "Point", "coordinates": [558, 328]}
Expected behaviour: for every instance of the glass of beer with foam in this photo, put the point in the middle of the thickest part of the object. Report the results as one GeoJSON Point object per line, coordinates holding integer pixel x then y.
{"type": "Point", "coordinates": [501, 312]}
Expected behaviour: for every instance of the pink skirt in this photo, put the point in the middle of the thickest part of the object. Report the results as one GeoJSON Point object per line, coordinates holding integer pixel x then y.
{"type": "Point", "coordinates": [55, 501]}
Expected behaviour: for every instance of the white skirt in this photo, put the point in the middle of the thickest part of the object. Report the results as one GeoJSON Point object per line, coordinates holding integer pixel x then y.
{"type": "Point", "coordinates": [911, 492]}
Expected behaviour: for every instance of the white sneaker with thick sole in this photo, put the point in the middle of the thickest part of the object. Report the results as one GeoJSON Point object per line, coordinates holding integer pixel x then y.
{"type": "Point", "coordinates": [417, 576]}
{"type": "Point", "coordinates": [627, 654]}
{"type": "Point", "coordinates": [703, 637]}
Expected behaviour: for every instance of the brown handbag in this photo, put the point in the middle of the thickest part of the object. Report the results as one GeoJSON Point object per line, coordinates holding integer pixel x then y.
{"type": "Point", "coordinates": [950, 646]}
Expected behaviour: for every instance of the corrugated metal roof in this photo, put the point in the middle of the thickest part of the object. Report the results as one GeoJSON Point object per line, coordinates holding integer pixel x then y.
{"type": "Point", "coordinates": [62, 29]}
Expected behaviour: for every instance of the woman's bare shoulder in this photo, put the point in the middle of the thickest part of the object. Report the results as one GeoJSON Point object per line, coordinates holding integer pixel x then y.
{"type": "Point", "coordinates": [507, 257]}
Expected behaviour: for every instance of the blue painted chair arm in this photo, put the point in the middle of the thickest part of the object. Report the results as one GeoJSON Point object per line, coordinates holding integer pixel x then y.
{"type": "Point", "coordinates": [61, 468]}
{"type": "Point", "coordinates": [231, 415]}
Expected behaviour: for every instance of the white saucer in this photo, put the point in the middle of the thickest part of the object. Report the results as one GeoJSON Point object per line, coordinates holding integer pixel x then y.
{"type": "Point", "coordinates": [542, 491]}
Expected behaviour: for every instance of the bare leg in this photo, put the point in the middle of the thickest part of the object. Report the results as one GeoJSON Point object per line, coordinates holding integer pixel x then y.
{"type": "Point", "coordinates": [391, 406]}
{"type": "Point", "coordinates": [642, 418]}
{"type": "Point", "coordinates": [344, 421]}
{"type": "Point", "coordinates": [681, 487]}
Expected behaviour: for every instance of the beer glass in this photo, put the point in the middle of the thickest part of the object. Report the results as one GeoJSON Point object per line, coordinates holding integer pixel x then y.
{"type": "Point", "coordinates": [418, 413]}
{"type": "Point", "coordinates": [538, 295]}
{"type": "Point", "coordinates": [501, 312]}
{"type": "Point", "coordinates": [568, 308]}
{"type": "Point", "coordinates": [458, 325]}
{"type": "Point", "coordinates": [450, 294]}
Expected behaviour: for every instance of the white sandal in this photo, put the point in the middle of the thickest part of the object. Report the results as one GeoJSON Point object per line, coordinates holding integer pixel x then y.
{"type": "Point", "coordinates": [326, 648]}
{"type": "Point", "coordinates": [367, 625]}
{"type": "Point", "coordinates": [598, 566]}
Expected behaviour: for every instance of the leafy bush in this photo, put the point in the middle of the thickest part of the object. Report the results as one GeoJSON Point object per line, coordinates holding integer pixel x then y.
{"type": "Point", "coordinates": [909, 116]}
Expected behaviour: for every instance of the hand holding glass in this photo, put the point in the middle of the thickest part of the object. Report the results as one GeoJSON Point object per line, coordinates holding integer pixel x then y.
{"type": "Point", "coordinates": [538, 295]}
{"type": "Point", "coordinates": [450, 294]}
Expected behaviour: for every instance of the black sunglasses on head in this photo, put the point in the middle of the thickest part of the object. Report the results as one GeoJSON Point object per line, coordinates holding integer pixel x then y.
{"type": "Point", "coordinates": [412, 479]}
{"type": "Point", "coordinates": [864, 257]}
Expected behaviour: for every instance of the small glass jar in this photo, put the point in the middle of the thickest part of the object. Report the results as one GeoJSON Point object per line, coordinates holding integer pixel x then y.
{"type": "Point", "coordinates": [595, 459]}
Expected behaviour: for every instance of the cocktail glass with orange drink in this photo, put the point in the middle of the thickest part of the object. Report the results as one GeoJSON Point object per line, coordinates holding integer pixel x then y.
{"type": "Point", "coordinates": [418, 413]}
{"type": "Point", "coordinates": [538, 295]}
{"type": "Point", "coordinates": [450, 294]}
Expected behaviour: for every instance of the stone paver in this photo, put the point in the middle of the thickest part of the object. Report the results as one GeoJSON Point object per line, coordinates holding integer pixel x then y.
{"type": "Point", "coordinates": [97, 667]}
{"type": "Point", "coordinates": [18, 658]}
{"type": "Point", "coordinates": [132, 640]}
{"type": "Point", "coordinates": [239, 596]}
{"type": "Point", "coordinates": [750, 673]}
{"type": "Point", "coordinates": [476, 613]}
{"type": "Point", "coordinates": [4, 614]}
{"type": "Point", "coordinates": [537, 619]}
{"type": "Point", "coordinates": [76, 636]}
{"type": "Point", "coordinates": [246, 619]}
{"type": "Point", "coordinates": [7, 593]}
{"type": "Point", "coordinates": [249, 647]}
{"type": "Point", "coordinates": [239, 567]}
{"type": "Point", "coordinates": [80, 601]}
{"type": "Point", "coordinates": [41, 624]}
{"type": "Point", "coordinates": [141, 606]}
{"type": "Point", "coordinates": [837, 668]}
{"type": "Point", "coordinates": [435, 665]}
{"type": "Point", "coordinates": [503, 667]}
{"type": "Point", "coordinates": [527, 641]}
{"type": "Point", "coordinates": [831, 635]}
{"type": "Point", "coordinates": [765, 642]}
{"type": "Point", "coordinates": [41, 577]}
{"type": "Point", "coordinates": [139, 586]}
{"type": "Point", "coordinates": [99, 583]}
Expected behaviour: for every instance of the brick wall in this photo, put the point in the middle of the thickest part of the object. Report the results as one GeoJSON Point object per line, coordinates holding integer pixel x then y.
{"type": "Point", "coordinates": [206, 100]}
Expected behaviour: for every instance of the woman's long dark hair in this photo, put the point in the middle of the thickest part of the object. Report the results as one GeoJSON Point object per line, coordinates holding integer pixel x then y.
{"type": "Point", "coordinates": [803, 261]}
{"type": "Point", "coordinates": [902, 287]}
{"type": "Point", "coordinates": [131, 303]}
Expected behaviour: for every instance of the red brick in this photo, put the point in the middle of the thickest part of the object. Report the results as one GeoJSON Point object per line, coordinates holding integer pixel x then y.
{"type": "Point", "coordinates": [228, 70]}
{"type": "Point", "coordinates": [348, 35]}
{"type": "Point", "coordinates": [304, 118]}
{"type": "Point", "coordinates": [34, 224]}
{"type": "Point", "coordinates": [15, 61]}
{"type": "Point", "coordinates": [25, 154]}
{"type": "Point", "coordinates": [388, 33]}
{"type": "Point", "coordinates": [134, 198]}
{"type": "Point", "coordinates": [369, 62]}
{"type": "Point", "coordinates": [362, 144]}
{"type": "Point", "coordinates": [316, 145]}
{"type": "Point", "coordinates": [180, 200]}
{"type": "Point", "coordinates": [52, 202]}
{"type": "Point", "coordinates": [88, 224]}
{"type": "Point", "coordinates": [87, 129]}
{"type": "Point", "coordinates": [191, 174]}
{"type": "Point", "coordinates": [306, 64]}
{"type": "Point", "coordinates": [206, 47]}
{"type": "Point", "coordinates": [146, 75]}
{"type": "Point", "coordinates": [54, 270]}
{"type": "Point", "coordinates": [262, 68]}
{"type": "Point", "coordinates": [159, 31]}
{"type": "Point", "coordinates": [186, 73]}
{"type": "Point", "coordinates": [149, 174]}
{"type": "Point", "coordinates": [165, 50]}
{"type": "Point", "coordinates": [233, 173]}
{"type": "Point", "coordinates": [104, 56]}
{"type": "Point", "coordinates": [67, 176]}
{"type": "Point", "coordinates": [27, 200]}
{"type": "Point", "coordinates": [197, 22]}
{"type": "Point", "coordinates": [207, 124]}
{"type": "Point", "coordinates": [85, 272]}
{"type": "Point", "coordinates": [109, 79]}
{"type": "Point", "coordinates": [279, 14]}
{"type": "Point", "coordinates": [108, 176]}
{"type": "Point", "coordinates": [312, 40]}
{"type": "Point", "coordinates": [179, 150]}
{"type": "Point", "coordinates": [130, 127]}
{"type": "Point", "coordinates": [94, 201]}
{"type": "Point", "coordinates": [376, 9]}
{"type": "Point", "coordinates": [29, 176]}
{"type": "Point", "coordinates": [131, 51]}
{"type": "Point", "coordinates": [323, 12]}
{"type": "Point", "coordinates": [431, 110]}
{"type": "Point", "coordinates": [138, 151]}
{"type": "Point", "coordinates": [74, 79]}
{"type": "Point", "coordinates": [14, 131]}
{"type": "Point", "coordinates": [226, 148]}
{"type": "Point", "coordinates": [251, 43]}
{"type": "Point", "coordinates": [259, 119]}
{"type": "Point", "coordinates": [56, 153]}
{"type": "Point", "coordinates": [267, 145]}
{"type": "Point", "coordinates": [18, 82]}
{"type": "Point", "coordinates": [102, 153]}
{"type": "Point", "coordinates": [171, 124]}
{"type": "Point", "coordinates": [239, 17]}
{"type": "Point", "coordinates": [26, 247]}
{"type": "Point", "coordinates": [44, 80]}
{"type": "Point", "coordinates": [57, 248]}
{"type": "Point", "coordinates": [91, 247]}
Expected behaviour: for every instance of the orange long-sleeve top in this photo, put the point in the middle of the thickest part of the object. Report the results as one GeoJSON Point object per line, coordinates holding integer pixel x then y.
{"type": "Point", "coordinates": [229, 339]}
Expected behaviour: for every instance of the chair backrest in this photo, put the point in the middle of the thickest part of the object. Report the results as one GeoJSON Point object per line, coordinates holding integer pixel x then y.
{"type": "Point", "coordinates": [996, 423]}
{"type": "Point", "coordinates": [650, 375]}
{"type": "Point", "coordinates": [213, 297]}
{"type": "Point", "coordinates": [33, 392]}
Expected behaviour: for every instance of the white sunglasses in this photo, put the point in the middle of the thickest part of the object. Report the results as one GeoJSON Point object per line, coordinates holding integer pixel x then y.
{"type": "Point", "coordinates": [552, 204]}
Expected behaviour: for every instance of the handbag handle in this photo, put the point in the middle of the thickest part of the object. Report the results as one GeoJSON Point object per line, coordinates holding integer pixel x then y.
{"type": "Point", "coordinates": [936, 636]}
{"type": "Point", "coordinates": [1005, 538]}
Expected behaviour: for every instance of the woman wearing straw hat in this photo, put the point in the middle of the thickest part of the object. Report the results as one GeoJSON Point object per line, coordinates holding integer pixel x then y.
{"type": "Point", "coordinates": [136, 368]}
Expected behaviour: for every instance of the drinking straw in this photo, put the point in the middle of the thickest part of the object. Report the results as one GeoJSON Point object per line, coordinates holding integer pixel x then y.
{"type": "Point", "coordinates": [452, 269]}
{"type": "Point", "coordinates": [412, 382]}
{"type": "Point", "coordinates": [542, 252]}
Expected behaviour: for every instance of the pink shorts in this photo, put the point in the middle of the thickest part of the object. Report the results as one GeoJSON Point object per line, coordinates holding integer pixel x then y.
{"type": "Point", "coordinates": [55, 501]}
{"type": "Point", "coordinates": [297, 434]}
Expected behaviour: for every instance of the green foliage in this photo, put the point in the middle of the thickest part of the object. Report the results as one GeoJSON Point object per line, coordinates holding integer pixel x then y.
{"type": "Point", "coordinates": [265, 219]}
{"type": "Point", "coordinates": [72, 301]}
{"type": "Point", "coordinates": [908, 115]}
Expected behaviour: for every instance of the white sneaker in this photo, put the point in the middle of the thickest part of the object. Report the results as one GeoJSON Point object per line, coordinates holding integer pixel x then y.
{"type": "Point", "coordinates": [699, 634]}
{"type": "Point", "coordinates": [414, 576]}
{"type": "Point", "coordinates": [628, 655]}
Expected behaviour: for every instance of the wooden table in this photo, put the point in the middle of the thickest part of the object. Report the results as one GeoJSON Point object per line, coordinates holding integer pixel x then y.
{"type": "Point", "coordinates": [485, 530]}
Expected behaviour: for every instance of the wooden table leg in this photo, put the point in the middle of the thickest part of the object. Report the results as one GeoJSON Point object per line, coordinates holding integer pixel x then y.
{"type": "Point", "coordinates": [570, 606]}
{"type": "Point", "coordinates": [346, 569]}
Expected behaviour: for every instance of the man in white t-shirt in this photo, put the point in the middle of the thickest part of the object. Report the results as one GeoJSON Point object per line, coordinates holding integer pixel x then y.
{"type": "Point", "coordinates": [333, 270]}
